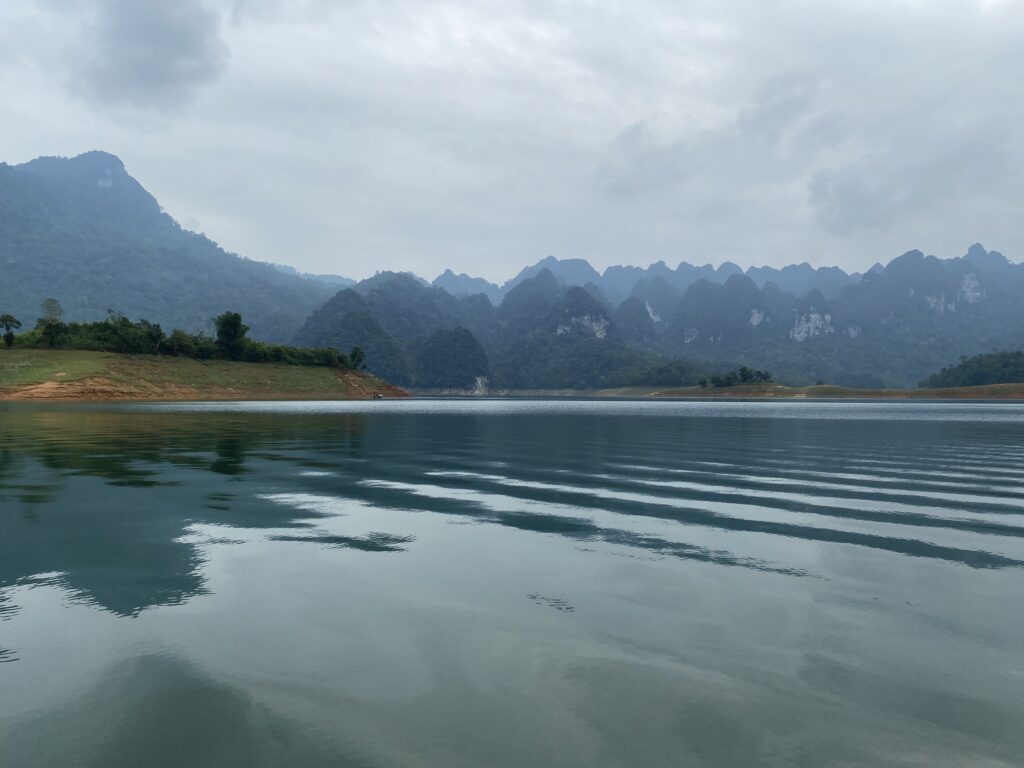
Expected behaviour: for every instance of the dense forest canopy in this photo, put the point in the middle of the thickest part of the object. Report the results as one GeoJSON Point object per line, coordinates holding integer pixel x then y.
{"type": "Point", "coordinates": [995, 368]}
{"type": "Point", "coordinates": [451, 359]}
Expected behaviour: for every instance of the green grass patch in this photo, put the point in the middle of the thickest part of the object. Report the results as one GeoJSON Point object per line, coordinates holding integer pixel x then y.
{"type": "Point", "coordinates": [20, 368]}
{"type": "Point", "coordinates": [104, 375]}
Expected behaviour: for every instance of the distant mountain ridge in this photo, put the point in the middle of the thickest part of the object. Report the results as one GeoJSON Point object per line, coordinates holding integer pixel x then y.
{"type": "Point", "coordinates": [621, 281]}
{"type": "Point", "coordinates": [561, 324]}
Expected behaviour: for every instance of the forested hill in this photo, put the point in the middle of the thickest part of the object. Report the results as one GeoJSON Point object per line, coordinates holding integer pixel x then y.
{"type": "Point", "coordinates": [82, 231]}
{"type": "Point", "coordinates": [996, 368]}
{"type": "Point", "coordinates": [544, 335]}
{"type": "Point", "coordinates": [556, 327]}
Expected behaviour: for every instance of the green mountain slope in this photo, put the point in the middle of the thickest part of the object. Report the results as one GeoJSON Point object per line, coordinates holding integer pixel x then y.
{"type": "Point", "coordinates": [83, 231]}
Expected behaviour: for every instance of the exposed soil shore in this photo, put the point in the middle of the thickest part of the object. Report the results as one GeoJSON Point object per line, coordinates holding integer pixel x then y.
{"type": "Point", "coordinates": [41, 375]}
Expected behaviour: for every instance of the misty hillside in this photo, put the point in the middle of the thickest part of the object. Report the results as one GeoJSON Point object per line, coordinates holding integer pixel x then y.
{"type": "Point", "coordinates": [564, 325]}
{"type": "Point", "coordinates": [544, 335]}
{"type": "Point", "coordinates": [83, 231]}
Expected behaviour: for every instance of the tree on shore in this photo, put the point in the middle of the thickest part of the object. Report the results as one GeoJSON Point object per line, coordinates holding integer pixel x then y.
{"type": "Point", "coordinates": [10, 324]}
{"type": "Point", "coordinates": [749, 375]}
{"type": "Point", "coordinates": [231, 334]}
{"type": "Point", "coordinates": [744, 375]}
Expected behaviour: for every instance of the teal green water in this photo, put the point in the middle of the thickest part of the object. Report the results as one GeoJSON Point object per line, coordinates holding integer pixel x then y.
{"type": "Point", "coordinates": [495, 583]}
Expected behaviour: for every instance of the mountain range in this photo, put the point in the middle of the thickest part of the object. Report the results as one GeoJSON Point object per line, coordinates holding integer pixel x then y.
{"type": "Point", "coordinates": [85, 232]}
{"type": "Point", "coordinates": [617, 283]}
{"type": "Point", "coordinates": [891, 326]}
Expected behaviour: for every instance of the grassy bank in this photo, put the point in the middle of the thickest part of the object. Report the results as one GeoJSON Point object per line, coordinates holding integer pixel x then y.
{"type": "Point", "coordinates": [823, 391]}
{"type": "Point", "coordinates": [76, 375]}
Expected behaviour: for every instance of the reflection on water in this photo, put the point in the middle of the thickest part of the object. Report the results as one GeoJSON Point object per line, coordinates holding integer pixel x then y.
{"type": "Point", "coordinates": [343, 584]}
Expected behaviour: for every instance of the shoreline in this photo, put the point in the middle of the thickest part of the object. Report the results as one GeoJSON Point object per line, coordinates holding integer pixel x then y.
{"type": "Point", "coordinates": [829, 392]}
{"type": "Point", "coordinates": [16, 396]}
{"type": "Point", "coordinates": [77, 376]}
{"type": "Point", "coordinates": [821, 393]}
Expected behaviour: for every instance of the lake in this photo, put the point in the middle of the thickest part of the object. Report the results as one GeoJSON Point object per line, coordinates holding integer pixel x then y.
{"type": "Point", "coordinates": [512, 583]}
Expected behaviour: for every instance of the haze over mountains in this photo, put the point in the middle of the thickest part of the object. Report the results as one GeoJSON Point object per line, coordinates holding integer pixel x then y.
{"type": "Point", "coordinates": [85, 232]}
{"type": "Point", "coordinates": [890, 327]}
{"type": "Point", "coordinates": [617, 283]}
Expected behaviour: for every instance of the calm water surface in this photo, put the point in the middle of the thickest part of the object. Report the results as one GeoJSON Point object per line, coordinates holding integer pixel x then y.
{"type": "Point", "coordinates": [444, 583]}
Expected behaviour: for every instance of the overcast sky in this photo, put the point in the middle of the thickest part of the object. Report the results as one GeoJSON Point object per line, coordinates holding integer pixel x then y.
{"type": "Point", "coordinates": [349, 137]}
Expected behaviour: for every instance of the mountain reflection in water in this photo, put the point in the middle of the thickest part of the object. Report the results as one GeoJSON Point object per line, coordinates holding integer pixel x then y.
{"type": "Point", "coordinates": [669, 535]}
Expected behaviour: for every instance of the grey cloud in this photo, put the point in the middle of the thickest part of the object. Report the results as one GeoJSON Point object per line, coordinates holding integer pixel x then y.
{"type": "Point", "coordinates": [918, 169]}
{"type": "Point", "coordinates": [782, 118]}
{"type": "Point", "coordinates": [778, 107]}
{"type": "Point", "coordinates": [150, 52]}
{"type": "Point", "coordinates": [639, 163]}
{"type": "Point", "coordinates": [481, 134]}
